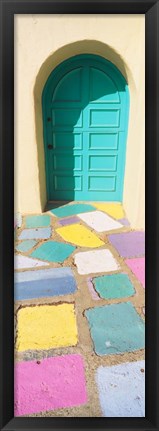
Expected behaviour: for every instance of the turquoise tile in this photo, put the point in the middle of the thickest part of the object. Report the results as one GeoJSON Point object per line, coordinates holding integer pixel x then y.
{"type": "Point", "coordinates": [116, 328]}
{"type": "Point", "coordinates": [69, 210]}
{"type": "Point", "coordinates": [113, 286]}
{"type": "Point", "coordinates": [25, 245]}
{"type": "Point", "coordinates": [53, 251]}
{"type": "Point", "coordinates": [37, 221]}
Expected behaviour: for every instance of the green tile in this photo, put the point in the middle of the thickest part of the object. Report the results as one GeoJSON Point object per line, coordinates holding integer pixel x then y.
{"type": "Point", "coordinates": [116, 328]}
{"type": "Point", "coordinates": [53, 251]}
{"type": "Point", "coordinates": [37, 221]}
{"type": "Point", "coordinates": [113, 286]}
{"type": "Point", "coordinates": [25, 245]}
{"type": "Point", "coordinates": [69, 210]}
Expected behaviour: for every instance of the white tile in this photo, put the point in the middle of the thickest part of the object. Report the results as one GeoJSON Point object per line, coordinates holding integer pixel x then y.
{"type": "Point", "coordinates": [99, 221]}
{"type": "Point", "coordinates": [122, 389]}
{"type": "Point", "coordinates": [22, 262]}
{"type": "Point", "coordinates": [95, 261]}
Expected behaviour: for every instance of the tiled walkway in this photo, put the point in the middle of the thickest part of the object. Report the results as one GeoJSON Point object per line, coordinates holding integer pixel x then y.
{"type": "Point", "coordinates": [79, 313]}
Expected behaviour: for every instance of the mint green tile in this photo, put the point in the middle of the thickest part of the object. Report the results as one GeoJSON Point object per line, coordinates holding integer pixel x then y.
{"type": "Point", "coordinates": [68, 210]}
{"type": "Point", "coordinates": [113, 286]}
{"type": "Point", "coordinates": [116, 328]}
{"type": "Point", "coordinates": [53, 251]}
{"type": "Point", "coordinates": [37, 221]}
{"type": "Point", "coordinates": [25, 245]}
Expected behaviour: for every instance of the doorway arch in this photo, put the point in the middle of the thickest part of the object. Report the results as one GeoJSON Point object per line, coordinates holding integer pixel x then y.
{"type": "Point", "coordinates": [85, 105]}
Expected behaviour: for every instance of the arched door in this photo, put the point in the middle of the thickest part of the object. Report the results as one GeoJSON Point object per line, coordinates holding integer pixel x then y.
{"type": "Point", "coordinates": [85, 117]}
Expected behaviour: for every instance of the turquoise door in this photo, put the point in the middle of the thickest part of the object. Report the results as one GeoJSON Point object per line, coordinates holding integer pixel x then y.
{"type": "Point", "coordinates": [85, 117]}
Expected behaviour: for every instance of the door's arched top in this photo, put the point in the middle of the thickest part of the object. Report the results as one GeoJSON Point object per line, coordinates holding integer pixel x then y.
{"type": "Point", "coordinates": [69, 87]}
{"type": "Point", "coordinates": [102, 87]}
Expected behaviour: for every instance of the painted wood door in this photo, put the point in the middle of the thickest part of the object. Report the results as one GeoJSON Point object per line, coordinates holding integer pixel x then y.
{"type": "Point", "coordinates": [85, 116]}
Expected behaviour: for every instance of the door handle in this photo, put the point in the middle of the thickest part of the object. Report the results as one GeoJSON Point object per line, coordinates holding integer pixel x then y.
{"type": "Point", "coordinates": [50, 147]}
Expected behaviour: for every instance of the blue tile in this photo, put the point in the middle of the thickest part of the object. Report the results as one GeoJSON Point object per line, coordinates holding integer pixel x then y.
{"type": "Point", "coordinates": [39, 233]}
{"type": "Point", "coordinates": [44, 283]}
{"type": "Point", "coordinates": [25, 245]}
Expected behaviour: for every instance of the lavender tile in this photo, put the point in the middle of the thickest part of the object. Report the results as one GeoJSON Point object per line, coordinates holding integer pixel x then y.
{"type": "Point", "coordinates": [129, 244]}
{"type": "Point", "coordinates": [68, 221]}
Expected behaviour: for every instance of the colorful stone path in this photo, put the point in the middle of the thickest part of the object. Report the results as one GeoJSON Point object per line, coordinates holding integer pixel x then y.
{"type": "Point", "coordinates": [79, 313]}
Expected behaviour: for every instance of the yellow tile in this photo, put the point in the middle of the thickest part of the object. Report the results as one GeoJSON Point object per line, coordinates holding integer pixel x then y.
{"type": "Point", "coordinates": [46, 327]}
{"type": "Point", "coordinates": [79, 235]}
{"type": "Point", "coordinates": [113, 209]}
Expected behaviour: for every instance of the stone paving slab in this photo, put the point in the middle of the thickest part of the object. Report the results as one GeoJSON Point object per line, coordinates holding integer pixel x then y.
{"type": "Point", "coordinates": [122, 389]}
{"type": "Point", "coordinates": [116, 328]}
{"type": "Point", "coordinates": [124, 221]}
{"type": "Point", "coordinates": [100, 222]}
{"type": "Point", "coordinates": [68, 220]}
{"type": "Point", "coordinates": [113, 286]}
{"type": "Point", "coordinates": [138, 268]}
{"type": "Point", "coordinates": [50, 326]}
{"type": "Point", "coordinates": [49, 384]}
{"type": "Point", "coordinates": [79, 235]}
{"type": "Point", "coordinates": [24, 262]}
{"type": "Point", "coordinates": [39, 233]}
{"type": "Point", "coordinates": [35, 221]}
{"type": "Point", "coordinates": [129, 244]}
{"type": "Point", "coordinates": [44, 283]}
{"type": "Point", "coordinates": [25, 245]}
{"type": "Point", "coordinates": [113, 209]}
{"type": "Point", "coordinates": [94, 261]}
{"type": "Point", "coordinates": [53, 251]}
{"type": "Point", "coordinates": [69, 210]}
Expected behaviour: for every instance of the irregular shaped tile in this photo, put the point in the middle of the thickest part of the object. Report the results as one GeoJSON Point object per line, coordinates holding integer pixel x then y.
{"type": "Point", "coordinates": [137, 266]}
{"type": "Point", "coordinates": [49, 384]}
{"type": "Point", "coordinates": [79, 235]}
{"type": "Point", "coordinates": [69, 210]}
{"type": "Point", "coordinates": [113, 286]}
{"type": "Point", "coordinates": [129, 244]}
{"type": "Point", "coordinates": [122, 389]}
{"type": "Point", "coordinates": [69, 220]}
{"type": "Point", "coordinates": [25, 245]}
{"type": "Point", "coordinates": [35, 221]}
{"type": "Point", "coordinates": [39, 233]}
{"type": "Point", "coordinates": [23, 262]}
{"type": "Point", "coordinates": [95, 261]}
{"type": "Point", "coordinates": [116, 328]}
{"type": "Point", "coordinates": [50, 326]}
{"type": "Point", "coordinates": [91, 289]}
{"type": "Point", "coordinates": [113, 209]}
{"type": "Point", "coordinates": [99, 221]}
{"type": "Point", "coordinates": [53, 251]}
{"type": "Point", "coordinates": [44, 283]}
{"type": "Point", "coordinates": [124, 221]}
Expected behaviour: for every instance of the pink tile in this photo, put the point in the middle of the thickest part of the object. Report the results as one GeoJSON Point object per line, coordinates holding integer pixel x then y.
{"type": "Point", "coordinates": [138, 268]}
{"type": "Point", "coordinates": [53, 383]}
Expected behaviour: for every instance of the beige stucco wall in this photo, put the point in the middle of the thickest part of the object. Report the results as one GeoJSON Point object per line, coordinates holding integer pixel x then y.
{"type": "Point", "coordinates": [42, 42]}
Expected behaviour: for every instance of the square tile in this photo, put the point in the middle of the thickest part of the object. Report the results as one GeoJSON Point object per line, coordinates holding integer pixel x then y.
{"type": "Point", "coordinates": [116, 328]}
{"type": "Point", "coordinates": [129, 244]}
{"type": "Point", "coordinates": [122, 389]}
{"type": "Point", "coordinates": [35, 221]}
{"type": "Point", "coordinates": [46, 327]}
{"type": "Point", "coordinates": [53, 251]}
{"type": "Point", "coordinates": [137, 266]}
{"type": "Point", "coordinates": [49, 384]}
{"type": "Point", "coordinates": [69, 210]}
{"type": "Point", "coordinates": [100, 222]}
{"type": "Point", "coordinates": [25, 262]}
{"type": "Point", "coordinates": [94, 261]}
{"type": "Point", "coordinates": [25, 245]}
{"type": "Point", "coordinates": [39, 233]}
{"type": "Point", "coordinates": [79, 235]}
{"type": "Point", "coordinates": [113, 286]}
{"type": "Point", "coordinates": [44, 283]}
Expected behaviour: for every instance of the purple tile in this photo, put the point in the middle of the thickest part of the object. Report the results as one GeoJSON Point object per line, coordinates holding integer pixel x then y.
{"type": "Point", "coordinates": [68, 221]}
{"type": "Point", "coordinates": [124, 221]}
{"type": "Point", "coordinates": [129, 244]}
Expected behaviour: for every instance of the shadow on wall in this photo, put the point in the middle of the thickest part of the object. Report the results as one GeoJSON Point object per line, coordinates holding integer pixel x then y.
{"type": "Point", "coordinates": [69, 128]}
